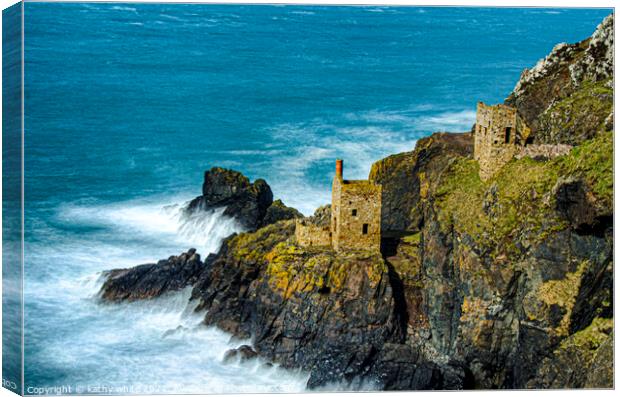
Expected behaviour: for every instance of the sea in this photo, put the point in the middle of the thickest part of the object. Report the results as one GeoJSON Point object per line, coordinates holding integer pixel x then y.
{"type": "Point", "coordinates": [126, 106]}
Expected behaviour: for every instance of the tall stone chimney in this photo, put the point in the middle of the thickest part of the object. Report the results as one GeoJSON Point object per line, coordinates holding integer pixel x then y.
{"type": "Point", "coordinates": [339, 168]}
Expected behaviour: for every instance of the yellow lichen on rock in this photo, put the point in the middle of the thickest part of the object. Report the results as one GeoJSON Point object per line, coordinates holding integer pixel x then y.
{"type": "Point", "coordinates": [556, 292]}
{"type": "Point", "coordinates": [291, 269]}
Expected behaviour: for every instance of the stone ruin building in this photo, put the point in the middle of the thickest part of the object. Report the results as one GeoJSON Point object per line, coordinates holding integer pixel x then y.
{"type": "Point", "coordinates": [355, 221]}
{"type": "Point", "coordinates": [500, 135]}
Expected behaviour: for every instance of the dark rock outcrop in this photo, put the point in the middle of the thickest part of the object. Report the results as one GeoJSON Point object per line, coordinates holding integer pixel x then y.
{"type": "Point", "coordinates": [242, 353]}
{"type": "Point", "coordinates": [333, 314]}
{"type": "Point", "coordinates": [395, 366]}
{"type": "Point", "coordinates": [152, 280]}
{"type": "Point", "coordinates": [600, 373]}
{"type": "Point", "coordinates": [250, 203]}
{"type": "Point", "coordinates": [261, 285]}
{"type": "Point", "coordinates": [568, 95]}
{"type": "Point", "coordinates": [322, 216]}
{"type": "Point", "coordinates": [578, 205]}
{"type": "Point", "coordinates": [277, 211]}
{"type": "Point", "coordinates": [579, 360]}
{"type": "Point", "coordinates": [401, 176]}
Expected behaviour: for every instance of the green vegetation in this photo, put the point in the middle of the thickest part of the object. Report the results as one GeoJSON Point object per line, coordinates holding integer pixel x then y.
{"type": "Point", "coordinates": [519, 199]}
{"type": "Point", "coordinates": [291, 269]}
{"type": "Point", "coordinates": [592, 160]}
{"type": "Point", "coordinates": [413, 239]}
{"type": "Point", "coordinates": [578, 116]}
{"type": "Point", "coordinates": [590, 338]}
{"type": "Point", "coordinates": [563, 293]}
{"type": "Point", "coordinates": [251, 247]}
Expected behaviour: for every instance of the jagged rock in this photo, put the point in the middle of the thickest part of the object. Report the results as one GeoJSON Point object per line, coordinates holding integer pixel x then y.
{"type": "Point", "coordinates": [322, 216]}
{"type": "Point", "coordinates": [404, 177]}
{"type": "Point", "coordinates": [505, 283]}
{"type": "Point", "coordinates": [251, 204]}
{"type": "Point", "coordinates": [277, 211]}
{"type": "Point", "coordinates": [392, 367]}
{"type": "Point", "coordinates": [242, 353]}
{"type": "Point", "coordinates": [152, 280]}
{"type": "Point", "coordinates": [224, 289]}
{"type": "Point", "coordinates": [600, 374]}
{"type": "Point", "coordinates": [598, 61]}
{"type": "Point", "coordinates": [571, 365]}
{"type": "Point", "coordinates": [401, 367]}
{"type": "Point", "coordinates": [578, 206]}
{"type": "Point", "coordinates": [300, 306]}
{"type": "Point", "coordinates": [246, 202]}
{"type": "Point", "coordinates": [567, 95]}
{"type": "Point", "coordinates": [578, 117]}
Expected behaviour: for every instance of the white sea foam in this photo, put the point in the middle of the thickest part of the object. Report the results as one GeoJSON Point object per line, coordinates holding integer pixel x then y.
{"type": "Point", "coordinates": [168, 222]}
{"type": "Point", "coordinates": [124, 8]}
{"type": "Point", "coordinates": [448, 121]}
{"type": "Point", "coordinates": [155, 346]}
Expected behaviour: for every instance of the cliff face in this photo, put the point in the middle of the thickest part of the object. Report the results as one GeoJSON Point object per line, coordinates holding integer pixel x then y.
{"type": "Point", "coordinates": [401, 175]}
{"type": "Point", "coordinates": [568, 95]}
{"type": "Point", "coordinates": [501, 272]}
{"type": "Point", "coordinates": [497, 284]}
{"type": "Point", "coordinates": [513, 276]}
{"type": "Point", "coordinates": [503, 283]}
{"type": "Point", "coordinates": [337, 315]}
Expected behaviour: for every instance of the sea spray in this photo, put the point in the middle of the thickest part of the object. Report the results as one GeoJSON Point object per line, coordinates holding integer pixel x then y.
{"type": "Point", "coordinates": [203, 229]}
{"type": "Point", "coordinates": [155, 346]}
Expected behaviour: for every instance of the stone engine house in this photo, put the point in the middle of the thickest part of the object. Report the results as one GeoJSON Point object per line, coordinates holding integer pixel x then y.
{"type": "Point", "coordinates": [500, 134]}
{"type": "Point", "coordinates": [355, 217]}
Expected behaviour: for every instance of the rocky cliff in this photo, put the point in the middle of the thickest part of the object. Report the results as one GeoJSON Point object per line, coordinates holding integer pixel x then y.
{"type": "Point", "coordinates": [568, 95]}
{"type": "Point", "coordinates": [250, 203]}
{"type": "Point", "coordinates": [504, 283]}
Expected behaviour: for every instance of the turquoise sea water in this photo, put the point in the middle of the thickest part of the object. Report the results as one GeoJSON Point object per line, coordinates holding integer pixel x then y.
{"type": "Point", "coordinates": [128, 104]}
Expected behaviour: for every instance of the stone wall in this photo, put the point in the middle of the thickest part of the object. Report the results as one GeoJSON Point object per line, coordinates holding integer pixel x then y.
{"type": "Point", "coordinates": [336, 207]}
{"type": "Point", "coordinates": [308, 234]}
{"type": "Point", "coordinates": [356, 215]}
{"type": "Point", "coordinates": [499, 135]}
{"type": "Point", "coordinates": [543, 151]}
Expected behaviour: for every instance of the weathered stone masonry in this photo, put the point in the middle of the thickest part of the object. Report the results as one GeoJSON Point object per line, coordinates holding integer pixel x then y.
{"type": "Point", "coordinates": [308, 234]}
{"type": "Point", "coordinates": [501, 134]}
{"type": "Point", "coordinates": [498, 136]}
{"type": "Point", "coordinates": [355, 217]}
{"type": "Point", "coordinates": [356, 213]}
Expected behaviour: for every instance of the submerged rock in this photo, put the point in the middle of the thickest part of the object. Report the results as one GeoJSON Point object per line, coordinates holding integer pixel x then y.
{"type": "Point", "coordinates": [242, 353]}
{"type": "Point", "coordinates": [152, 280]}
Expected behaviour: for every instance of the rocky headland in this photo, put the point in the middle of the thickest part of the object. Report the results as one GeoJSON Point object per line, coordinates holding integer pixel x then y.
{"type": "Point", "coordinates": [502, 283]}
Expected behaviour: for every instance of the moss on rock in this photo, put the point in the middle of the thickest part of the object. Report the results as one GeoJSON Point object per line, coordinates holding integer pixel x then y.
{"type": "Point", "coordinates": [518, 199]}
{"type": "Point", "coordinates": [577, 117]}
{"type": "Point", "coordinates": [291, 269]}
